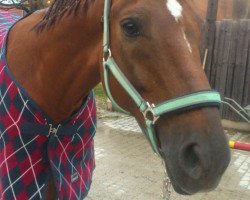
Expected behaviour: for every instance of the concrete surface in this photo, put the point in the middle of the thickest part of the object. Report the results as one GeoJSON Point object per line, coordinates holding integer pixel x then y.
{"type": "Point", "coordinates": [127, 169]}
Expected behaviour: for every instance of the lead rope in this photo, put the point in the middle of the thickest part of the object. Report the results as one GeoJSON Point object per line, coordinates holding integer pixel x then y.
{"type": "Point", "coordinates": [167, 185]}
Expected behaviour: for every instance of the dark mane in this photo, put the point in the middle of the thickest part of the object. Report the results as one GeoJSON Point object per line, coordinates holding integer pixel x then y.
{"type": "Point", "coordinates": [60, 8]}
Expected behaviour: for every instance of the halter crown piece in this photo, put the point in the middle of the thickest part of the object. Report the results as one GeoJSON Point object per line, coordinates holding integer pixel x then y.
{"type": "Point", "coordinates": [151, 112]}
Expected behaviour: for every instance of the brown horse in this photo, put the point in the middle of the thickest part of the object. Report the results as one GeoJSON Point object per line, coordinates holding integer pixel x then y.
{"type": "Point", "coordinates": [56, 55]}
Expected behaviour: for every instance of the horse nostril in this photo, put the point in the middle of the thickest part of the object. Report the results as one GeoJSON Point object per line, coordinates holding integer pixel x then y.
{"type": "Point", "coordinates": [191, 161]}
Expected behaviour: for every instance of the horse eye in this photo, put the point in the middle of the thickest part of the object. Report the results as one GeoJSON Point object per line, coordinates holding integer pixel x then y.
{"type": "Point", "coordinates": [131, 29]}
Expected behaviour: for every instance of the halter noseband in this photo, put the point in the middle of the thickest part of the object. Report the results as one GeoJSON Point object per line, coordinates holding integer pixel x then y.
{"type": "Point", "coordinates": [150, 112]}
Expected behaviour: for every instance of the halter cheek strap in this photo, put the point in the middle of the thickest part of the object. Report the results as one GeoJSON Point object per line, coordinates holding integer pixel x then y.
{"type": "Point", "coordinates": [150, 112]}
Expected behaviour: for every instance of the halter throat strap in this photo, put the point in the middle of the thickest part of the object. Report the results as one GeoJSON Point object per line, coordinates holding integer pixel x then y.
{"type": "Point", "coordinates": [150, 112]}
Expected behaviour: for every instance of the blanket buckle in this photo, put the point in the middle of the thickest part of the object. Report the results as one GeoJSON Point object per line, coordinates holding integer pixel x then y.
{"type": "Point", "coordinates": [53, 130]}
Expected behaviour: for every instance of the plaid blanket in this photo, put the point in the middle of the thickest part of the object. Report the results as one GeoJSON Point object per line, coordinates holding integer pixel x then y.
{"type": "Point", "coordinates": [32, 147]}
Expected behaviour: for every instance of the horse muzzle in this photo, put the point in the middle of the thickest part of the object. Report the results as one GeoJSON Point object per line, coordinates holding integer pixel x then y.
{"type": "Point", "coordinates": [196, 155]}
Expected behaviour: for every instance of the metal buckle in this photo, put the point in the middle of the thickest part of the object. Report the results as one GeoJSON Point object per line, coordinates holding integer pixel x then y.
{"type": "Point", "coordinates": [149, 114]}
{"type": "Point", "coordinates": [53, 130]}
{"type": "Point", "coordinates": [107, 54]}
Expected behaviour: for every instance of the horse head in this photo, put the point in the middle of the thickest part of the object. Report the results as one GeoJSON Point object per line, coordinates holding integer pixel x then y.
{"type": "Point", "coordinates": [151, 57]}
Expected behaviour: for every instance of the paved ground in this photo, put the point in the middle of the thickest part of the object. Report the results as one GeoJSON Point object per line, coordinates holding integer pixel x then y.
{"type": "Point", "coordinates": [126, 168]}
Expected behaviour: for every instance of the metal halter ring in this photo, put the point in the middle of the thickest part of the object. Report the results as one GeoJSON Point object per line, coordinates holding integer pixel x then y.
{"type": "Point", "coordinates": [149, 114]}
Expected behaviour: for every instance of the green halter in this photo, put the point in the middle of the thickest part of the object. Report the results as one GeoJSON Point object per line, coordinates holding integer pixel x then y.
{"type": "Point", "coordinates": [150, 112]}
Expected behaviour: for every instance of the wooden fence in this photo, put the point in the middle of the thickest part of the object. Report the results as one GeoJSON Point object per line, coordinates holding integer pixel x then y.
{"type": "Point", "coordinates": [228, 60]}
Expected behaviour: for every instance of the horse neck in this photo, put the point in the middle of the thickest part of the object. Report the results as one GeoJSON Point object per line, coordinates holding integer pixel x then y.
{"type": "Point", "coordinates": [62, 62]}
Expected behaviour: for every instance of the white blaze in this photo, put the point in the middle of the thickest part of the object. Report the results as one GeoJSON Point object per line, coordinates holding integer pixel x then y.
{"type": "Point", "coordinates": [175, 8]}
{"type": "Point", "coordinates": [187, 42]}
